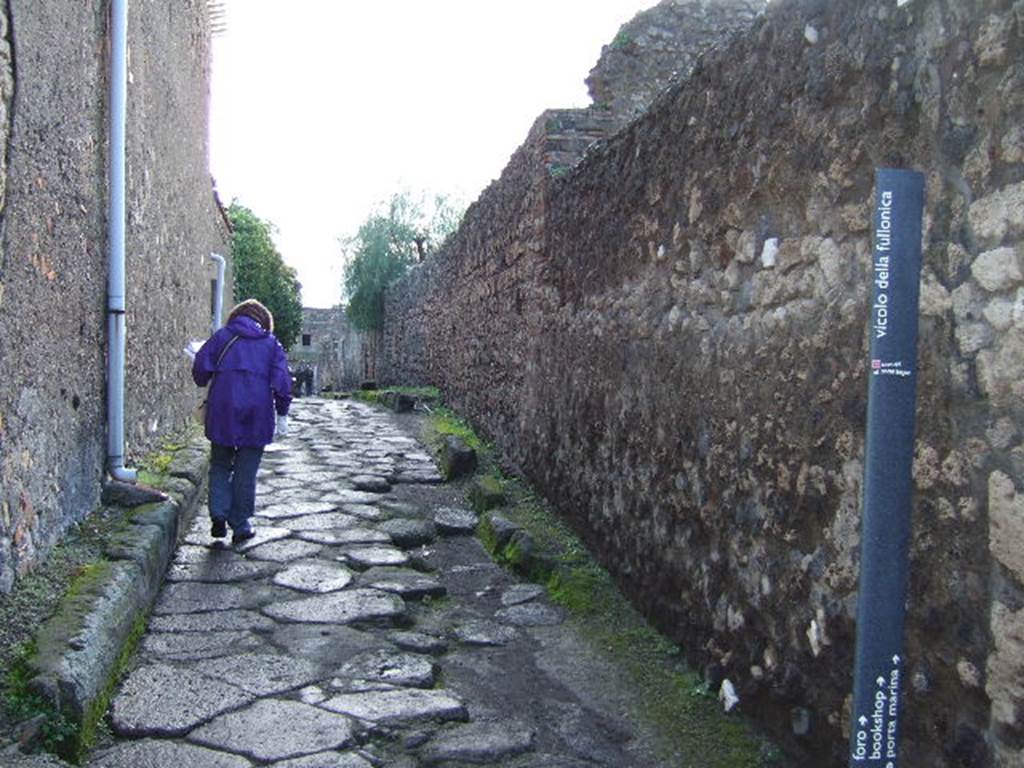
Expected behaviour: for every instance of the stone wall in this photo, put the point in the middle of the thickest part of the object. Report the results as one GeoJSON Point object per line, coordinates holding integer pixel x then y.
{"type": "Point", "coordinates": [697, 411]}
{"type": "Point", "coordinates": [661, 46]}
{"type": "Point", "coordinates": [54, 78]}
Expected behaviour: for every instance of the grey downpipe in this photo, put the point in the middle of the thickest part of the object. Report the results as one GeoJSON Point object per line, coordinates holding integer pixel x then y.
{"type": "Point", "coordinates": [116, 226]}
{"type": "Point", "coordinates": [218, 294]}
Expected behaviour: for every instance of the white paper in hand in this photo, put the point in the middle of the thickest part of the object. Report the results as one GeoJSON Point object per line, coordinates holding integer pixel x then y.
{"type": "Point", "coordinates": [192, 347]}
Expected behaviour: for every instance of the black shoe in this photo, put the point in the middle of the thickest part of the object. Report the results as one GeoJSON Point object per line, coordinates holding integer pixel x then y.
{"type": "Point", "coordinates": [239, 536]}
{"type": "Point", "coordinates": [219, 529]}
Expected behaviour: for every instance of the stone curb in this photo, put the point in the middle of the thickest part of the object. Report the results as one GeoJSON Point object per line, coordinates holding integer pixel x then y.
{"type": "Point", "coordinates": [79, 648]}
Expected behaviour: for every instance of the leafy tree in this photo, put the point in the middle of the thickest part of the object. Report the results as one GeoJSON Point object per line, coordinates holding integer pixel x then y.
{"type": "Point", "coordinates": [395, 236]}
{"type": "Point", "coordinates": [261, 274]}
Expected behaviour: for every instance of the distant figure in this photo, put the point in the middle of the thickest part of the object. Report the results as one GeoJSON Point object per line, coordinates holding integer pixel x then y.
{"type": "Point", "coordinates": [247, 372]}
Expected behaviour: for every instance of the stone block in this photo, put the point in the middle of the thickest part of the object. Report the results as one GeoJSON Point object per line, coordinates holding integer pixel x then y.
{"type": "Point", "coordinates": [457, 459]}
{"type": "Point", "coordinates": [487, 493]}
{"type": "Point", "coordinates": [119, 494]}
{"type": "Point", "coordinates": [999, 269]}
{"type": "Point", "coordinates": [1006, 522]}
{"type": "Point", "coordinates": [998, 216]}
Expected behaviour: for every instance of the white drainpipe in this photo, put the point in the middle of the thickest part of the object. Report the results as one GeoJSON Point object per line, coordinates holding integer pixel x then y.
{"type": "Point", "coordinates": [218, 294]}
{"type": "Point", "coordinates": [116, 226]}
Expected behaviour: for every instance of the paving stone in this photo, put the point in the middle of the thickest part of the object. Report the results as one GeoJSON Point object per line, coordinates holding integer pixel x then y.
{"type": "Point", "coordinates": [161, 700]}
{"type": "Point", "coordinates": [356, 535]}
{"type": "Point", "coordinates": [313, 477]}
{"type": "Point", "coordinates": [358, 605]}
{"type": "Point", "coordinates": [192, 596]}
{"type": "Point", "coordinates": [371, 483]}
{"type": "Point", "coordinates": [210, 622]}
{"type": "Point", "coordinates": [314, 576]}
{"type": "Point", "coordinates": [406, 582]}
{"type": "Point", "coordinates": [385, 666]}
{"type": "Point", "coordinates": [327, 760]}
{"type": "Point", "coordinates": [407, 532]}
{"type": "Point", "coordinates": [479, 743]}
{"type": "Point", "coordinates": [362, 558]}
{"type": "Point", "coordinates": [531, 615]}
{"type": "Point", "coordinates": [264, 534]}
{"type": "Point", "coordinates": [398, 707]}
{"type": "Point", "coordinates": [191, 553]}
{"type": "Point", "coordinates": [265, 674]}
{"type": "Point", "coordinates": [151, 753]}
{"type": "Point", "coordinates": [276, 730]}
{"type": "Point", "coordinates": [455, 522]}
{"type": "Point", "coordinates": [347, 496]}
{"type": "Point", "coordinates": [365, 511]}
{"type": "Point", "coordinates": [321, 522]}
{"type": "Point", "coordinates": [285, 551]}
{"type": "Point", "coordinates": [198, 646]}
{"type": "Point", "coordinates": [418, 642]}
{"type": "Point", "coordinates": [295, 509]}
{"type": "Point", "coordinates": [521, 593]}
{"type": "Point", "coordinates": [328, 645]}
{"type": "Point", "coordinates": [218, 570]}
{"type": "Point", "coordinates": [484, 633]}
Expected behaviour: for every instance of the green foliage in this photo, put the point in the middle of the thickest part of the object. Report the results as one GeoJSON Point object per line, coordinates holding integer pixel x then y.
{"type": "Point", "coordinates": [260, 273]}
{"type": "Point", "coordinates": [397, 235]}
{"type": "Point", "coordinates": [443, 422]}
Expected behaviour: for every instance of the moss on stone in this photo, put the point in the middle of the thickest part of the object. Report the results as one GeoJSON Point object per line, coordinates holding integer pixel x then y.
{"type": "Point", "coordinates": [670, 695]}
{"type": "Point", "coordinates": [487, 493]}
{"type": "Point", "coordinates": [97, 708]}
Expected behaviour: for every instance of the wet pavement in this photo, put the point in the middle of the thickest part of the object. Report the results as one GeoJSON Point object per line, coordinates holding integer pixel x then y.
{"type": "Point", "coordinates": [364, 625]}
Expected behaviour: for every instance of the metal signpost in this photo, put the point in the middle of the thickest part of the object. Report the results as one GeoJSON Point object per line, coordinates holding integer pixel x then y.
{"type": "Point", "coordinates": [888, 486]}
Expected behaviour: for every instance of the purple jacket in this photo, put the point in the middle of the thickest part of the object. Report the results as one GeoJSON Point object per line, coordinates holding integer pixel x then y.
{"type": "Point", "coordinates": [252, 382]}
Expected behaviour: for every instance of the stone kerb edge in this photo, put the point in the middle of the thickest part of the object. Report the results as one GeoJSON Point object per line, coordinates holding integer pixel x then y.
{"type": "Point", "coordinates": [80, 649]}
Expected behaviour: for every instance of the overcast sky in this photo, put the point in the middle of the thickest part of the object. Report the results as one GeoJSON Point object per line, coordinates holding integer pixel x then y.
{"type": "Point", "coordinates": [321, 111]}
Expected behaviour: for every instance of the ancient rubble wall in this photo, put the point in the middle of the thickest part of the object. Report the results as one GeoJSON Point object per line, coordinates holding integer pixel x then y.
{"type": "Point", "coordinates": [697, 411]}
{"type": "Point", "coordinates": [54, 78]}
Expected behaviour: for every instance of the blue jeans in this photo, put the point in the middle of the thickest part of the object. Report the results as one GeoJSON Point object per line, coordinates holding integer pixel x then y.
{"type": "Point", "coordinates": [233, 484]}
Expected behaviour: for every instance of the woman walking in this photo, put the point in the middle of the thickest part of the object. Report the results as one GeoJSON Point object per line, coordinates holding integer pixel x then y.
{"type": "Point", "coordinates": [247, 372]}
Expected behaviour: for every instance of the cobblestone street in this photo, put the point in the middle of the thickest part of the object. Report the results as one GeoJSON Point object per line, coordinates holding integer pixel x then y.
{"type": "Point", "coordinates": [364, 625]}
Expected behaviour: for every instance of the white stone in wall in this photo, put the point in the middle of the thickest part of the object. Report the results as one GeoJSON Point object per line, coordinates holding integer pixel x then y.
{"type": "Point", "coordinates": [967, 302]}
{"type": "Point", "coordinates": [830, 259]}
{"type": "Point", "coordinates": [1006, 522]}
{"type": "Point", "coordinates": [999, 269]}
{"type": "Point", "coordinates": [999, 314]}
{"type": "Point", "coordinates": [998, 216]}
{"type": "Point", "coordinates": [1005, 685]}
{"type": "Point", "coordinates": [972, 337]}
{"type": "Point", "coordinates": [1001, 370]}
{"type": "Point", "coordinates": [746, 247]}
{"type": "Point", "coordinates": [769, 252]}
{"type": "Point", "coordinates": [1012, 145]}
{"type": "Point", "coordinates": [935, 300]}
{"type": "Point", "coordinates": [1018, 310]}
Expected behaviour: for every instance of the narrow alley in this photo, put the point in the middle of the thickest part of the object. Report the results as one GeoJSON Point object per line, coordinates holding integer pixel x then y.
{"type": "Point", "coordinates": [364, 625]}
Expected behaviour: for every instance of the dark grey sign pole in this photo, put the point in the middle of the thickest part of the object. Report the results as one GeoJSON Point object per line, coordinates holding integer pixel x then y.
{"type": "Point", "coordinates": [889, 452]}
